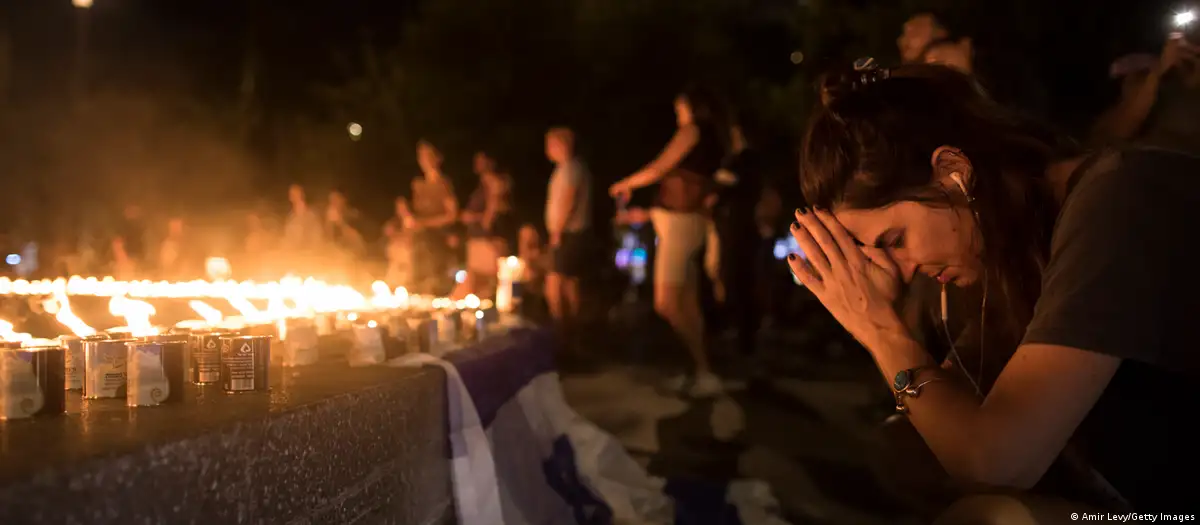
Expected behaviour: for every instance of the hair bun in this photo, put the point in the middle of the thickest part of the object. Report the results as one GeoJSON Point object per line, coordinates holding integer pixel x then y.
{"type": "Point", "coordinates": [864, 72]}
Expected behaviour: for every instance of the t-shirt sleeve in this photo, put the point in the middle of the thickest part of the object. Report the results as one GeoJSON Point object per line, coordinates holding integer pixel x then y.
{"type": "Point", "coordinates": [1102, 288]}
{"type": "Point", "coordinates": [572, 175]}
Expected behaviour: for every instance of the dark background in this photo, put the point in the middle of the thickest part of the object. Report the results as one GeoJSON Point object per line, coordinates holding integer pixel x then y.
{"type": "Point", "coordinates": [209, 108]}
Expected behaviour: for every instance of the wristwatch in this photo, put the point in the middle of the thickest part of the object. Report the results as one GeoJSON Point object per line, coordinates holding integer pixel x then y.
{"type": "Point", "coordinates": [906, 384]}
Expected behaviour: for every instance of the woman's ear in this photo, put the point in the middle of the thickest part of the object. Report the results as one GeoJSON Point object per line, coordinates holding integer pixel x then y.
{"type": "Point", "coordinates": [952, 169]}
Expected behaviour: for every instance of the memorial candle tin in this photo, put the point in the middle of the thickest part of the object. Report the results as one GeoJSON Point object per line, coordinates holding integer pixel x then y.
{"type": "Point", "coordinates": [244, 363]}
{"type": "Point", "coordinates": [204, 357]}
{"type": "Point", "coordinates": [155, 371]}
{"type": "Point", "coordinates": [104, 368]}
{"type": "Point", "coordinates": [74, 359]}
{"type": "Point", "coordinates": [300, 344]}
{"type": "Point", "coordinates": [32, 382]}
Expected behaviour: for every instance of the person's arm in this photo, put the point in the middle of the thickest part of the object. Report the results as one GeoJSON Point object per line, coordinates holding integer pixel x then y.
{"type": "Point", "coordinates": [680, 145]}
{"type": "Point", "coordinates": [1123, 121]}
{"type": "Point", "coordinates": [1015, 434]}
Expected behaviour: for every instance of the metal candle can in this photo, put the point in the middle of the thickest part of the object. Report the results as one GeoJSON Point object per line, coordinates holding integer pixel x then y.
{"type": "Point", "coordinates": [244, 363]}
{"type": "Point", "coordinates": [74, 360]}
{"type": "Point", "coordinates": [367, 346]}
{"type": "Point", "coordinates": [300, 345]}
{"type": "Point", "coordinates": [155, 371]}
{"type": "Point", "coordinates": [427, 336]}
{"type": "Point", "coordinates": [104, 368]}
{"type": "Point", "coordinates": [32, 382]}
{"type": "Point", "coordinates": [477, 330]}
{"type": "Point", "coordinates": [204, 357]}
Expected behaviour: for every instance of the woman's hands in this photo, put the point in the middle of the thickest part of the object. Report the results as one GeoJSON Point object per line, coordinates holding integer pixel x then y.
{"type": "Point", "coordinates": [620, 190]}
{"type": "Point", "coordinates": [859, 285]}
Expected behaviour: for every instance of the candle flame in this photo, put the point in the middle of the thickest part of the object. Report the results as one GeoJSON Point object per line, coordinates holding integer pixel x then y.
{"type": "Point", "coordinates": [211, 315]}
{"type": "Point", "coordinates": [60, 306]}
{"type": "Point", "coordinates": [8, 334]}
{"type": "Point", "coordinates": [136, 313]}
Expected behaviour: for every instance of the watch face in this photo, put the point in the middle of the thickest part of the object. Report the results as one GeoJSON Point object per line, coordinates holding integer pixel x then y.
{"type": "Point", "coordinates": [902, 381]}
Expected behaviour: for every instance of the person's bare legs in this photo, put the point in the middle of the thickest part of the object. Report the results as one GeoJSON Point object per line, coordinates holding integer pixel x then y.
{"type": "Point", "coordinates": [569, 288]}
{"type": "Point", "coordinates": [554, 295]}
{"type": "Point", "coordinates": [691, 324]}
{"type": "Point", "coordinates": [670, 302]}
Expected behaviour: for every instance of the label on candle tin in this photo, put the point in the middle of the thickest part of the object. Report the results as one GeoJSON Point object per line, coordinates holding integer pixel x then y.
{"type": "Point", "coordinates": [22, 396]}
{"type": "Point", "coordinates": [147, 380]}
{"type": "Point", "coordinates": [74, 362]}
{"type": "Point", "coordinates": [104, 376]}
{"type": "Point", "coordinates": [205, 362]}
{"type": "Point", "coordinates": [239, 362]}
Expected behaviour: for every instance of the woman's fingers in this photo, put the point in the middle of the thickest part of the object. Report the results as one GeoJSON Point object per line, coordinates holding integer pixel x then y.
{"type": "Point", "coordinates": [805, 273]}
{"type": "Point", "coordinates": [880, 258]}
{"type": "Point", "coordinates": [849, 247]}
{"type": "Point", "coordinates": [829, 247]}
{"type": "Point", "coordinates": [816, 256]}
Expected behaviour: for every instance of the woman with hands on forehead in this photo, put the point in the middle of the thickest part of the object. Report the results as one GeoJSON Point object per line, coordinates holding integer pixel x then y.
{"type": "Point", "coordinates": [914, 169]}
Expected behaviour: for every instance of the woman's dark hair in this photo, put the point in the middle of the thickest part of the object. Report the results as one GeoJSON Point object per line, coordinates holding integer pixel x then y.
{"type": "Point", "coordinates": [870, 144]}
{"type": "Point", "coordinates": [708, 110]}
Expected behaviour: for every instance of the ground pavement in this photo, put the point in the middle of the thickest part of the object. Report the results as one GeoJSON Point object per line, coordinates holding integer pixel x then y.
{"type": "Point", "coordinates": [806, 428]}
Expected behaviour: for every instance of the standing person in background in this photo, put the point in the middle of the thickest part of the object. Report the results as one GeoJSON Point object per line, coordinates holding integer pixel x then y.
{"type": "Point", "coordinates": [486, 218]}
{"type": "Point", "coordinates": [739, 187]}
{"type": "Point", "coordinates": [302, 231]}
{"type": "Point", "coordinates": [1156, 107]}
{"type": "Point", "coordinates": [132, 230]}
{"type": "Point", "coordinates": [919, 31]}
{"type": "Point", "coordinates": [175, 253]}
{"type": "Point", "coordinates": [568, 218]}
{"type": "Point", "coordinates": [398, 245]}
{"type": "Point", "coordinates": [684, 172]}
{"type": "Point", "coordinates": [121, 266]}
{"type": "Point", "coordinates": [338, 213]}
{"type": "Point", "coordinates": [255, 247]}
{"type": "Point", "coordinates": [434, 210]}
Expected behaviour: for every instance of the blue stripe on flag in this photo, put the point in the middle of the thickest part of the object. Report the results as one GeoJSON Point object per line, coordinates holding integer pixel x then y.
{"type": "Point", "coordinates": [496, 369]}
{"type": "Point", "coordinates": [562, 475]}
{"type": "Point", "coordinates": [701, 503]}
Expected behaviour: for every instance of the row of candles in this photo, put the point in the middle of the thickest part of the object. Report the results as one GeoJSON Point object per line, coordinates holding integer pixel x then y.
{"type": "Point", "coordinates": [150, 365]}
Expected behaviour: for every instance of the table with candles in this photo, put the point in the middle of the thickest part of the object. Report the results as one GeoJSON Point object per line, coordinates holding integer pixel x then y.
{"type": "Point", "coordinates": [228, 402]}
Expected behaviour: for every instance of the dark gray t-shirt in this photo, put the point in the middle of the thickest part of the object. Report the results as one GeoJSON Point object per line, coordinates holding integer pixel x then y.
{"type": "Point", "coordinates": [1121, 281]}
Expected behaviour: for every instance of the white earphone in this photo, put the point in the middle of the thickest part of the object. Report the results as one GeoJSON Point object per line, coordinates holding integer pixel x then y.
{"type": "Point", "coordinates": [957, 178]}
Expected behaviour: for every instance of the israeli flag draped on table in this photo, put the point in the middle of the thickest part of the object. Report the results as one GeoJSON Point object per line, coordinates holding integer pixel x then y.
{"type": "Point", "coordinates": [521, 455]}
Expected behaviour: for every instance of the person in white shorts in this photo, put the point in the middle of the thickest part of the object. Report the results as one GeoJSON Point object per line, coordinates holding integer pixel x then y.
{"type": "Point", "coordinates": [684, 172]}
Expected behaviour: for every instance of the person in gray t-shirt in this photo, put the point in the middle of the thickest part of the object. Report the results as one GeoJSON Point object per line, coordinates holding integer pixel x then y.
{"type": "Point", "coordinates": [1082, 262]}
{"type": "Point", "coordinates": [568, 219]}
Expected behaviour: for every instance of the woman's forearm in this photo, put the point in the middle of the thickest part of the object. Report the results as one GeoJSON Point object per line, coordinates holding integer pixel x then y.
{"type": "Point", "coordinates": [947, 413]}
{"type": "Point", "coordinates": [647, 176]}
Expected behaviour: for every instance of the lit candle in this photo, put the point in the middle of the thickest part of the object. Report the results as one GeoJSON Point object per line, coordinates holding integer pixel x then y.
{"type": "Point", "coordinates": [510, 270]}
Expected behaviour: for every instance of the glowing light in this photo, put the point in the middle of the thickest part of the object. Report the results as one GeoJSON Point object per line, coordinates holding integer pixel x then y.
{"type": "Point", "coordinates": [355, 130]}
{"type": "Point", "coordinates": [218, 268]}
{"type": "Point", "coordinates": [460, 276]}
{"type": "Point", "coordinates": [136, 313]}
{"type": "Point", "coordinates": [797, 57]}
{"type": "Point", "coordinates": [13, 259]}
{"type": "Point", "coordinates": [60, 307]}
{"type": "Point", "coordinates": [372, 324]}
{"type": "Point", "coordinates": [479, 314]}
{"type": "Point", "coordinates": [1185, 18]}
{"type": "Point", "coordinates": [82, 4]}
{"type": "Point", "coordinates": [211, 315]}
